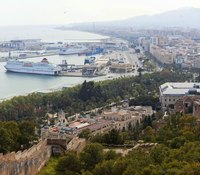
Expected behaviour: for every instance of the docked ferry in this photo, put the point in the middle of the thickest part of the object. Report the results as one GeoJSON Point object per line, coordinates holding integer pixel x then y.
{"type": "Point", "coordinates": [72, 49]}
{"type": "Point", "coordinates": [43, 67]}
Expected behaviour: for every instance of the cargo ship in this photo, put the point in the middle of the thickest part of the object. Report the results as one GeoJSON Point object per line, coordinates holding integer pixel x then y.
{"type": "Point", "coordinates": [43, 67]}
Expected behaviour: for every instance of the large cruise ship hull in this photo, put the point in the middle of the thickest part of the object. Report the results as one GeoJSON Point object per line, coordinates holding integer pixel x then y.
{"type": "Point", "coordinates": [42, 68]}
{"type": "Point", "coordinates": [32, 72]}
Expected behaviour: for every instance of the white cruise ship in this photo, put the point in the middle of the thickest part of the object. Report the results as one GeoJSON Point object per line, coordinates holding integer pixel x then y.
{"type": "Point", "coordinates": [43, 67]}
{"type": "Point", "coordinates": [72, 49]}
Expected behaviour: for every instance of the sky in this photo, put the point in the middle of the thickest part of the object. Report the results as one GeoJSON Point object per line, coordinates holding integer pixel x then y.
{"type": "Point", "coordinates": [47, 12]}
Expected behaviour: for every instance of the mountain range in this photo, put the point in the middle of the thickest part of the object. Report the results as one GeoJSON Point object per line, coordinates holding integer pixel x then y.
{"type": "Point", "coordinates": [184, 17]}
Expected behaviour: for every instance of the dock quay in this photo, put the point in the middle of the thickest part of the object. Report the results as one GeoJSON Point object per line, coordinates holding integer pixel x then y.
{"type": "Point", "coordinates": [4, 59]}
{"type": "Point", "coordinates": [65, 66]}
{"type": "Point", "coordinates": [42, 55]}
{"type": "Point", "coordinates": [114, 62]}
{"type": "Point", "coordinates": [75, 74]}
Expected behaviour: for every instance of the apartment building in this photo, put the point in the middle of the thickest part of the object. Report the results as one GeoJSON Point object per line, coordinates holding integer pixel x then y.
{"type": "Point", "coordinates": [162, 55]}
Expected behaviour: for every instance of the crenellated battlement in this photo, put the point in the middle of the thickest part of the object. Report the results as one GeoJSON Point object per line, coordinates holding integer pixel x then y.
{"type": "Point", "coordinates": [25, 162]}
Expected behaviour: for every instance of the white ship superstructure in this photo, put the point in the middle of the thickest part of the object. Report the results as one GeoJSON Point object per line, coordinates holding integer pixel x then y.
{"type": "Point", "coordinates": [43, 67]}
{"type": "Point", "coordinates": [72, 49]}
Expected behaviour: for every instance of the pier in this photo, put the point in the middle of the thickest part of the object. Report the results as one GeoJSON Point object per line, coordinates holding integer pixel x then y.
{"type": "Point", "coordinates": [4, 59]}
{"type": "Point", "coordinates": [75, 74]}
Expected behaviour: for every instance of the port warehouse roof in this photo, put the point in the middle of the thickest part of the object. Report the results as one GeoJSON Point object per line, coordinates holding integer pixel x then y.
{"type": "Point", "coordinates": [184, 88]}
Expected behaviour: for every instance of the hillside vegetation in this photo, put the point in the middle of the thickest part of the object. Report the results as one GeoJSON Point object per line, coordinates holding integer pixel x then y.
{"type": "Point", "coordinates": [143, 89]}
{"type": "Point", "coordinates": [177, 153]}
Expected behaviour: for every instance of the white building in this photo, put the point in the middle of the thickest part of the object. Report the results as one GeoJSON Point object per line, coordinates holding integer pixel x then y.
{"type": "Point", "coordinates": [171, 92]}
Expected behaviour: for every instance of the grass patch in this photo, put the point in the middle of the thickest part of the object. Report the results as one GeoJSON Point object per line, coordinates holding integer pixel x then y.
{"type": "Point", "coordinates": [49, 169]}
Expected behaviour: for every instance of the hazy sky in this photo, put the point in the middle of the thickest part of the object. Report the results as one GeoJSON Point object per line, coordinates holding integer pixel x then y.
{"type": "Point", "coordinates": [32, 12]}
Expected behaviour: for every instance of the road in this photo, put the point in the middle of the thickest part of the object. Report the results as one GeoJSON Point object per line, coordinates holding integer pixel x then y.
{"type": "Point", "coordinates": [132, 58]}
{"type": "Point", "coordinates": [129, 57]}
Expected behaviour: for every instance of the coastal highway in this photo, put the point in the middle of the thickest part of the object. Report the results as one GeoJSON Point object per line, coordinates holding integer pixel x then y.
{"type": "Point", "coordinates": [133, 57]}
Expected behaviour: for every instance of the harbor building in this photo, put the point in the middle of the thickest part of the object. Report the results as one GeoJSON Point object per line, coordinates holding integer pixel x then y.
{"type": "Point", "coordinates": [170, 93]}
{"type": "Point", "coordinates": [90, 70]}
{"type": "Point", "coordinates": [121, 68]}
{"type": "Point", "coordinates": [22, 44]}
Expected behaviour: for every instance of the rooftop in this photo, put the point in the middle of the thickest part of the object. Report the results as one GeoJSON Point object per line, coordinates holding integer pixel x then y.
{"type": "Point", "coordinates": [96, 126]}
{"type": "Point", "coordinates": [185, 88]}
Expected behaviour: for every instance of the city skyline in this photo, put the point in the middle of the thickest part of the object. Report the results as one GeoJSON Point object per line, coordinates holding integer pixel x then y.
{"type": "Point", "coordinates": [49, 12]}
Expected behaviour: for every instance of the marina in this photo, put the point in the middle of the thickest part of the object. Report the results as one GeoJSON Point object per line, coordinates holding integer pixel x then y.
{"type": "Point", "coordinates": [13, 84]}
{"type": "Point", "coordinates": [97, 62]}
{"type": "Point", "coordinates": [97, 65]}
{"type": "Point", "coordinates": [94, 65]}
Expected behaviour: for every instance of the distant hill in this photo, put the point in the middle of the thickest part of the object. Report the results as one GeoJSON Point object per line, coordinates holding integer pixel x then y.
{"type": "Point", "coordinates": [184, 17]}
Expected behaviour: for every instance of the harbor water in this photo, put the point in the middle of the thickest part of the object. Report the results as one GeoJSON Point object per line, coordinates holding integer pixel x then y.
{"type": "Point", "coordinates": [14, 84]}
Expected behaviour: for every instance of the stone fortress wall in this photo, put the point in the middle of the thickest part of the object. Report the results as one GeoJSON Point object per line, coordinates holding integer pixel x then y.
{"type": "Point", "coordinates": [28, 162]}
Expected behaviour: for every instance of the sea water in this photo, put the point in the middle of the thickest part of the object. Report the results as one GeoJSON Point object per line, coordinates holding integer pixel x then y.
{"type": "Point", "coordinates": [14, 84]}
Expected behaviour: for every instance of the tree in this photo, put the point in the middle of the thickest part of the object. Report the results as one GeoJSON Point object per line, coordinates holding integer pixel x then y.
{"type": "Point", "coordinates": [191, 169]}
{"type": "Point", "coordinates": [152, 170]}
{"type": "Point", "coordinates": [110, 155]}
{"type": "Point", "coordinates": [147, 122]}
{"type": "Point", "coordinates": [120, 166]}
{"type": "Point", "coordinates": [91, 155]}
{"type": "Point", "coordinates": [136, 131]}
{"type": "Point", "coordinates": [104, 168]}
{"type": "Point", "coordinates": [14, 133]}
{"type": "Point", "coordinates": [5, 141]}
{"type": "Point", "coordinates": [189, 135]}
{"type": "Point", "coordinates": [98, 138]}
{"type": "Point", "coordinates": [177, 142]}
{"type": "Point", "coordinates": [159, 153]}
{"type": "Point", "coordinates": [69, 163]}
{"type": "Point", "coordinates": [27, 129]}
{"type": "Point", "coordinates": [149, 134]}
{"type": "Point", "coordinates": [189, 152]}
{"type": "Point", "coordinates": [174, 167]}
{"type": "Point", "coordinates": [113, 137]}
{"type": "Point", "coordinates": [89, 90]}
{"type": "Point", "coordinates": [130, 170]}
{"type": "Point", "coordinates": [86, 133]}
{"type": "Point", "coordinates": [86, 173]}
